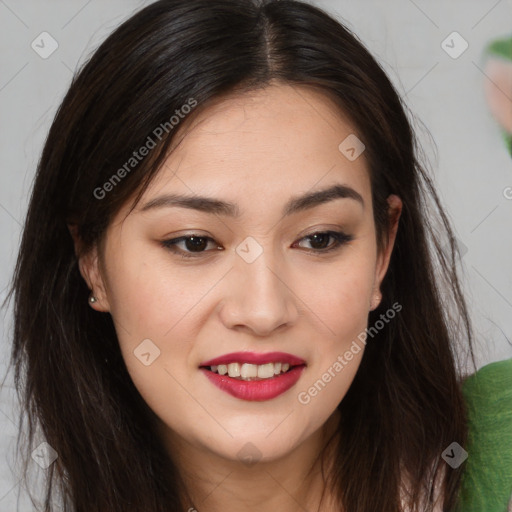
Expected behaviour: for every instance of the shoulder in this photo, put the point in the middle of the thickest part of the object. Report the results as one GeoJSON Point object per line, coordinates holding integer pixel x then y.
{"type": "Point", "coordinates": [487, 478]}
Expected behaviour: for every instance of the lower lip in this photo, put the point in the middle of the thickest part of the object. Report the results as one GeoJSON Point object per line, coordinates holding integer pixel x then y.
{"type": "Point", "coordinates": [256, 390]}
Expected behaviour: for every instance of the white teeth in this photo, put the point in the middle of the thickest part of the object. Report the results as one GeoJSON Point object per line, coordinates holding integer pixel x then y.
{"type": "Point", "coordinates": [266, 370]}
{"type": "Point", "coordinates": [234, 370]}
{"type": "Point", "coordinates": [247, 371]}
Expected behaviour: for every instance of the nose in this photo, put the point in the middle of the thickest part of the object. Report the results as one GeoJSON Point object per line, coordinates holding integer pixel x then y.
{"type": "Point", "coordinates": [258, 297]}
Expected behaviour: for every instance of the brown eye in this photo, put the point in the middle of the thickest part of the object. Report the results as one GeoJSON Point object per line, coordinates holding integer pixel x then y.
{"type": "Point", "coordinates": [192, 244]}
{"type": "Point", "coordinates": [320, 240]}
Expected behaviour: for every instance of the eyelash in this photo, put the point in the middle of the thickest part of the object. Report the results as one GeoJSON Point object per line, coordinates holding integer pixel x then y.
{"type": "Point", "coordinates": [339, 237]}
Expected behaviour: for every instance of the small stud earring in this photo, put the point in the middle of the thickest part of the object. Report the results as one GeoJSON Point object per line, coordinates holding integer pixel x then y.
{"type": "Point", "coordinates": [92, 299]}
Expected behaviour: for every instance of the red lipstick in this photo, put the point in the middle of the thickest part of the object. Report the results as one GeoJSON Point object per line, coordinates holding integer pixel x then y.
{"type": "Point", "coordinates": [255, 390]}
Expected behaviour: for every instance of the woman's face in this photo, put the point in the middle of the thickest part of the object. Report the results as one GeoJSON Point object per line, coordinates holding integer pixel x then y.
{"type": "Point", "coordinates": [252, 281]}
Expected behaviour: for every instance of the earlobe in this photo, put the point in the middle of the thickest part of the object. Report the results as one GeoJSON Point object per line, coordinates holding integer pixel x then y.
{"type": "Point", "coordinates": [90, 270]}
{"type": "Point", "coordinates": [89, 266]}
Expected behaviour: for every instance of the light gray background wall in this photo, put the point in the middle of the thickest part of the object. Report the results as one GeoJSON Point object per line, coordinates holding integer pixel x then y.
{"type": "Point", "coordinates": [472, 168]}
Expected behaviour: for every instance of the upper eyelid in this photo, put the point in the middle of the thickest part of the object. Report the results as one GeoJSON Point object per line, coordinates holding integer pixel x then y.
{"type": "Point", "coordinates": [198, 235]}
{"type": "Point", "coordinates": [315, 230]}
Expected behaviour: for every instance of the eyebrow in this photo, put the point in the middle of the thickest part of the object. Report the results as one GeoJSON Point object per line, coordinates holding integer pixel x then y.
{"type": "Point", "coordinates": [215, 206]}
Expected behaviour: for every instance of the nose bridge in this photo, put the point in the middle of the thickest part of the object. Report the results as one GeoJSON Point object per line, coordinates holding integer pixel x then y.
{"type": "Point", "coordinates": [259, 298]}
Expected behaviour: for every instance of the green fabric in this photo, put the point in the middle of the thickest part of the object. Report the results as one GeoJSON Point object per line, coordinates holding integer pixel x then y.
{"type": "Point", "coordinates": [508, 141]}
{"type": "Point", "coordinates": [501, 47]}
{"type": "Point", "coordinates": [487, 477]}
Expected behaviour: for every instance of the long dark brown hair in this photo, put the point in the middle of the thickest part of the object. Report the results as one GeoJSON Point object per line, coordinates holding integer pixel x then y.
{"type": "Point", "coordinates": [404, 406]}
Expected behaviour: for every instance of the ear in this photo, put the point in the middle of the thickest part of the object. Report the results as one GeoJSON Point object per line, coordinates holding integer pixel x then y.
{"type": "Point", "coordinates": [90, 270]}
{"type": "Point", "coordinates": [394, 212]}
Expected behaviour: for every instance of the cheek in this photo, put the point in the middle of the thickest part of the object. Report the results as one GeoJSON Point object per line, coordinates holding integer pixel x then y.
{"type": "Point", "coordinates": [339, 293]}
{"type": "Point", "coordinates": [155, 334]}
{"type": "Point", "coordinates": [152, 311]}
{"type": "Point", "coordinates": [339, 298]}
{"type": "Point", "coordinates": [326, 385]}
{"type": "Point", "coordinates": [149, 297]}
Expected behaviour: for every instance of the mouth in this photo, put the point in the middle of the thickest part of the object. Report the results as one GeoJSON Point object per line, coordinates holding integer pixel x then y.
{"type": "Point", "coordinates": [253, 366]}
{"type": "Point", "coordinates": [254, 377]}
{"type": "Point", "coordinates": [250, 372]}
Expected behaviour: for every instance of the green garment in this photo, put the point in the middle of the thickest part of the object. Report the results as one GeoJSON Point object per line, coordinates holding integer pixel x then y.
{"type": "Point", "coordinates": [487, 477]}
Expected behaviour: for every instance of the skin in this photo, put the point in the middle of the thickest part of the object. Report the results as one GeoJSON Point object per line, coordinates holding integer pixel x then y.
{"type": "Point", "coordinates": [256, 150]}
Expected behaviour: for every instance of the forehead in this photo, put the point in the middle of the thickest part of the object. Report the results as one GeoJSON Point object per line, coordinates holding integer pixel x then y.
{"type": "Point", "coordinates": [264, 146]}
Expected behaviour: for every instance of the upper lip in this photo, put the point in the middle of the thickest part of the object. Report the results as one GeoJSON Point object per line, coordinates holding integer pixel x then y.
{"type": "Point", "coordinates": [255, 358]}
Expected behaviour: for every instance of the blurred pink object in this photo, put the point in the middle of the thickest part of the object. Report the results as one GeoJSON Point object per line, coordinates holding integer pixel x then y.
{"type": "Point", "coordinates": [498, 90]}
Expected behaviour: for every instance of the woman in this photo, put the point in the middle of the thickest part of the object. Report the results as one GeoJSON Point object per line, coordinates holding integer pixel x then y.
{"type": "Point", "coordinates": [231, 292]}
